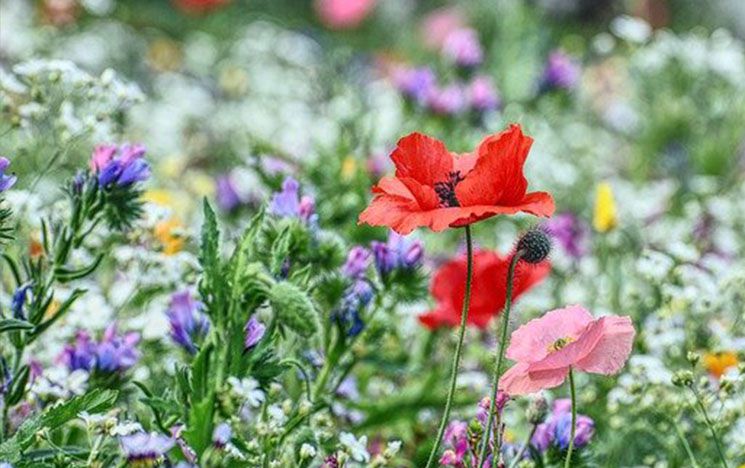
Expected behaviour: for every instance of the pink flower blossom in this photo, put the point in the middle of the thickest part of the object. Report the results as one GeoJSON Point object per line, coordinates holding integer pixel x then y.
{"type": "Point", "coordinates": [438, 24]}
{"type": "Point", "coordinates": [545, 348]}
{"type": "Point", "coordinates": [343, 14]}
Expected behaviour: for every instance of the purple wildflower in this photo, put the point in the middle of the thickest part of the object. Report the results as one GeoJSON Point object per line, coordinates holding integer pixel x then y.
{"type": "Point", "coordinates": [228, 198]}
{"type": "Point", "coordinates": [561, 72]}
{"type": "Point", "coordinates": [18, 302]}
{"type": "Point", "coordinates": [254, 332]}
{"type": "Point", "coordinates": [456, 437]}
{"type": "Point", "coordinates": [81, 354]}
{"type": "Point", "coordinates": [462, 46]}
{"type": "Point", "coordinates": [275, 166]}
{"type": "Point", "coordinates": [145, 448]}
{"type": "Point", "coordinates": [570, 232]}
{"type": "Point", "coordinates": [188, 322]}
{"type": "Point", "coordinates": [482, 95]}
{"type": "Point", "coordinates": [121, 166]}
{"type": "Point", "coordinates": [348, 389]}
{"type": "Point", "coordinates": [356, 297]}
{"type": "Point", "coordinates": [221, 435]}
{"type": "Point", "coordinates": [288, 204]}
{"type": "Point", "coordinates": [114, 353]}
{"type": "Point", "coordinates": [6, 181]}
{"type": "Point", "coordinates": [330, 462]}
{"type": "Point", "coordinates": [449, 100]}
{"type": "Point", "coordinates": [357, 261]}
{"type": "Point", "coordinates": [557, 429]}
{"type": "Point", "coordinates": [397, 252]}
{"type": "Point", "coordinates": [584, 431]}
{"type": "Point", "coordinates": [117, 353]}
{"type": "Point", "coordinates": [415, 83]}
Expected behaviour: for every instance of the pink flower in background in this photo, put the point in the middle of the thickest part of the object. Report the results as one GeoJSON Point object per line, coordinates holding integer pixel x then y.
{"type": "Point", "coordinates": [343, 14]}
{"type": "Point", "coordinates": [545, 348]}
{"type": "Point", "coordinates": [438, 24]}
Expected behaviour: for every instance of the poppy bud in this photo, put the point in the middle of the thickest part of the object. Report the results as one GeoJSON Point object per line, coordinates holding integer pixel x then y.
{"type": "Point", "coordinates": [535, 245]}
{"type": "Point", "coordinates": [537, 410]}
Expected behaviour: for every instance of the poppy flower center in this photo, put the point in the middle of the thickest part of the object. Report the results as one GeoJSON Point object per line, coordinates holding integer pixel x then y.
{"type": "Point", "coordinates": [560, 343]}
{"type": "Point", "coordinates": [446, 190]}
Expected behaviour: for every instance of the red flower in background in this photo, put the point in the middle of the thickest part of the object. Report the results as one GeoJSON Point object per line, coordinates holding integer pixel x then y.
{"type": "Point", "coordinates": [489, 288]}
{"type": "Point", "coordinates": [199, 6]}
{"type": "Point", "coordinates": [438, 189]}
{"type": "Point", "coordinates": [343, 14]}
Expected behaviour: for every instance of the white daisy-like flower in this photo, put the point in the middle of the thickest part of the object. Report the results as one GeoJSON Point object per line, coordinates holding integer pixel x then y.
{"type": "Point", "coordinates": [247, 389]}
{"type": "Point", "coordinates": [356, 448]}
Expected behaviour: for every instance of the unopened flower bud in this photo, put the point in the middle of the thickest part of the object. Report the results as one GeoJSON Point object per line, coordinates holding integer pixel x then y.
{"type": "Point", "coordinates": [535, 245]}
{"type": "Point", "coordinates": [693, 357]}
{"type": "Point", "coordinates": [537, 409]}
{"type": "Point", "coordinates": [683, 378]}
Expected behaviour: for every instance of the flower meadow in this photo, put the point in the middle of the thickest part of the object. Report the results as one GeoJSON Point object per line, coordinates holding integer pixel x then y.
{"type": "Point", "coordinates": [372, 233]}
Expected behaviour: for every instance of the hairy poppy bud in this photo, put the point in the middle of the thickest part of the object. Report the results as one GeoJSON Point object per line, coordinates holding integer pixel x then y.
{"type": "Point", "coordinates": [537, 410]}
{"type": "Point", "coordinates": [535, 245]}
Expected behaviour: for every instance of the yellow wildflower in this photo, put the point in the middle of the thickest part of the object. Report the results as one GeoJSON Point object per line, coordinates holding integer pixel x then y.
{"type": "Point", "coordinates": [606, 217]}
{"type": "Point", "coordinates": [348, 168]}
{"type": "Point", "coordinates": [169, 235]}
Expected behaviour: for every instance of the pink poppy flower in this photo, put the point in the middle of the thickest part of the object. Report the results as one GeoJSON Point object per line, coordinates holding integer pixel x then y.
{"type": "Point", "coordinates": [545, 348]}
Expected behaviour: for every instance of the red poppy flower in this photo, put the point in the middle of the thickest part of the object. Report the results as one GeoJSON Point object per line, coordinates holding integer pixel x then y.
{"type": "Point", "coordinates": [438, 189]}
{"type": "Point", "coordinates": [489, 288]}
{"type": "Point", "coordinates": [199, 6]}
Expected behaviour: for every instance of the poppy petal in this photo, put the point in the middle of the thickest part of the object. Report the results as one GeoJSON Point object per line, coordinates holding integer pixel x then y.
{"type": "Point", "coordinates": [531, 342]}
{"type": "Point", "coordinates": [497, 178]}
{"type": "Point", "coordinates": [422, 158]}
{"type": "Point", "coordinates": [518, 380]}
{"type": "Point", "coordinates": [614, 347]}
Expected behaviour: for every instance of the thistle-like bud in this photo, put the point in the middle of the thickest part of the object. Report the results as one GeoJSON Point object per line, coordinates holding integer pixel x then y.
{"type": "Point", "coordinates": [537, 410]}
{"type": "Point", "coordinates": [535, 245]}
{"type": "Point", "coordinates": [683, 378]}
{"type": "Point", "coordinates": [693, 357]}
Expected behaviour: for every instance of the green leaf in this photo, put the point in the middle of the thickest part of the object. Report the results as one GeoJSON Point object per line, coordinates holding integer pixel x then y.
{"type": "Point", "coordinates": [245, 250]}
{"type": "Point", "coordinates": [200, 372]}
{"type": "Point", "coordinates": [18, 387]}
{"type": "Point", "coordinates": [199, 428]}
{"type": "Point", "coordinates": [294, 308]}
{"type": "Point", "coordinates": [280, 250]}
{"type": "Point", "coordinates": [12, 324]}
{"type": "Point", "coordinates": [209, 251]}
{"type": "Point", "coordinates": [64, 274]}
{"type": "Point", "coordinates": [63, 308]}
{"type": "Point", "coordinates": [95, 401]}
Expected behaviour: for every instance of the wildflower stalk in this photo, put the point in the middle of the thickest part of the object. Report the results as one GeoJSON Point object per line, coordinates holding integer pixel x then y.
{"type": "Point", "coordinates": [500, 356]}
{"type": "Point", "coordinates": [710, 425]}
{"type": "Point", "coordinates": [686, 445]}
{"type": "Point", "coordinates": [458, 349]}
{"type": "Point", "coordinates": [573, 430]}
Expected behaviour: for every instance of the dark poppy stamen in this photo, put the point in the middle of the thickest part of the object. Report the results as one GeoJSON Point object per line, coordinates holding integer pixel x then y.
{"type": "Point", "coordinates": [446, 190]}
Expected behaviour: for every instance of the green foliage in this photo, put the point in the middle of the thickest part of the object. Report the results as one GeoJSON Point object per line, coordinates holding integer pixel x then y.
{"type": "Point", "coordinates": [95, 401]}
{"type": "Point", "coordinates": [294, 309]}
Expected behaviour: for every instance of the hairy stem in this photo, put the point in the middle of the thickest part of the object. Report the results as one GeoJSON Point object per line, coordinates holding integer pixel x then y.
{"type": "Point", "coordinates": [710, 425]}
{"type": "Point", "coordinates": [458, 350]}
{"type": "Point", "coordinates": [500, 357]}
{"type": "Point", "coordinates": [573, 430]}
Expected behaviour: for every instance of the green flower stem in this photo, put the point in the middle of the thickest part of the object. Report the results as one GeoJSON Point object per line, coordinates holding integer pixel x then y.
{"type": "Point", "coordinates": [710, 425]}
{"type": "Point", "coordinates": [568, 461]}
{"type": "Point", "coordinates": [458, 349]}
{"type": "Point", "coordinates": [500, 357]}
{"type": "Point", "coordinates": [686, 445]}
